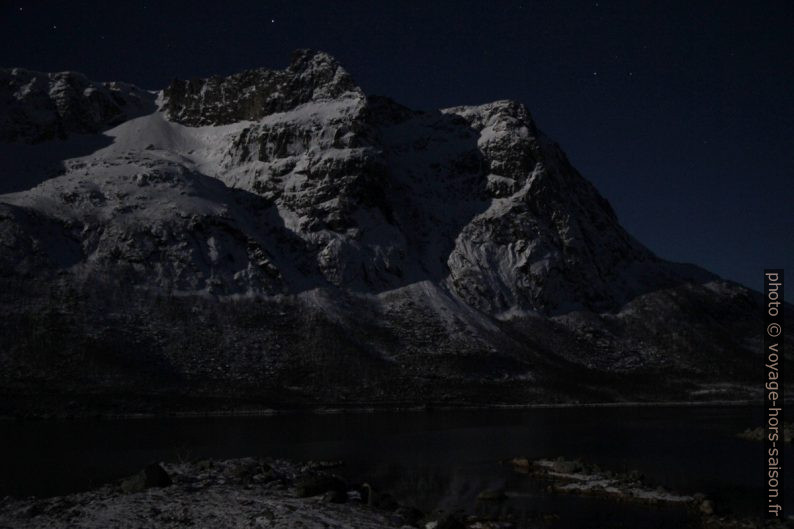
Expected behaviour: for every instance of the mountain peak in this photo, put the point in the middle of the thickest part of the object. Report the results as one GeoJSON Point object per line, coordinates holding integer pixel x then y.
{"type": "Point", "coordinates": [306, 59]}
{"type": "Point", "coordinates": [254, 94]}
{"type": "Point", "coordinates": [320, 235]}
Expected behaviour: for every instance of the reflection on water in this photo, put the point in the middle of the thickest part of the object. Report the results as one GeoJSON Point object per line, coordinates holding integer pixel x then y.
{"type": "Point", "coordinates": [438, 459]}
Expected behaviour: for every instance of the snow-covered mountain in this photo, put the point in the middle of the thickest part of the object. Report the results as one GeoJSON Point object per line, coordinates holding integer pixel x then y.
{"type": "Point", "coordinates": [277, 237]}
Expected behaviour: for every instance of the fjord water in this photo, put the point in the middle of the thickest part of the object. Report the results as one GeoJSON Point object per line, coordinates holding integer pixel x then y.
{"type": "Point", "coordinates": [432, 459]}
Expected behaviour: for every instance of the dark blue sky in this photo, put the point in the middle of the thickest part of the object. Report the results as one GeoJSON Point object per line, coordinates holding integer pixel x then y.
{"type": "Point", "coordinates": [681, 113]}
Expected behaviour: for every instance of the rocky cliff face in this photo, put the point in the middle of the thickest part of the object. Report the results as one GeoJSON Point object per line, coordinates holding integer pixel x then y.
{"type": "Point", "coordinates": [37, 106]}
{"type": "Point", "coordinates": [252, 95]}
{"type": "Point", "coordinates": [277, 237]}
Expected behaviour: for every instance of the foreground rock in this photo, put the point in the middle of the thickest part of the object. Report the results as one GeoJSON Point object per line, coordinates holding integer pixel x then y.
{"type": "Point", "coordinates": [239, 493]}
{"type": "Point", "coordinates": [224, 494]}
{"type": "Point", "coordinates": [152, 476]}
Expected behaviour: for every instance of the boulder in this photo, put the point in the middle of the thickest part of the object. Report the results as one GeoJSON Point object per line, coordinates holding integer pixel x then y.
{"type": "Point", "coordinates": [316, 484]}
{"type": "Point", "coordinates": [492, 495]}
{"type": "Point", "coordinates": [335, 496]}
{"type": "Point", "coordinates": [152, 475]}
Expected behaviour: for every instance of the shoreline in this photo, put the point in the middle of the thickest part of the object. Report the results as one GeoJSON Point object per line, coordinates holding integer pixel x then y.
{"type": "Point", "coordinates": [272, 412]}
{"type": "Point", "coordinates": [272, 493]}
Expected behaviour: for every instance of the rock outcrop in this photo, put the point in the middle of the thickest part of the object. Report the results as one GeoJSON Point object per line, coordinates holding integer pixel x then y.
{"type": "Point", "coordinates": [37, 106]}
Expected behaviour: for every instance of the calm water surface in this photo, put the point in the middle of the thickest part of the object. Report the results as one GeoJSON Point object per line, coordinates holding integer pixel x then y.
{"type": "Point", "coordinates": [438, 459]}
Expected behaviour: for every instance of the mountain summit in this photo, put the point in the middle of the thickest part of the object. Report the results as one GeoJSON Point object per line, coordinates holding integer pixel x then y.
{"type": "Point", "coordinates": [279, 238]}
{"type": "Point", "coordinates": [254, 94]}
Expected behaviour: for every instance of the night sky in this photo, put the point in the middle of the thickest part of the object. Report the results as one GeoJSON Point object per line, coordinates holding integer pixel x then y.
{"type": "Point", "coordinates": [681, 113]}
